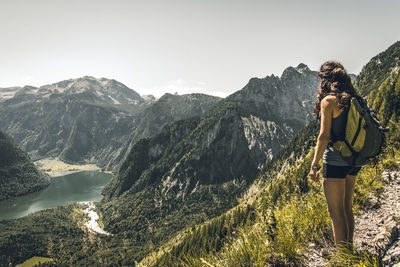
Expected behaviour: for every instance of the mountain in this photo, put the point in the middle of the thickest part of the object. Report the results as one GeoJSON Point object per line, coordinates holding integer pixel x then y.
{"type": "Point", "coordinates": [253, 123]}
{"type": "Point", "coordinates": [78, 120]}
{"type": "Point", "coordinates": [85, 120]}
{"type": "Point", "coordinates": [166, 110]}
{"type": "Point", "coordinates": [378, 69]}
{"type": "Point", "coordinates": [18, 175]}
{"type": "Point", "coordinates": [380, 80]}
{"type": "Point", "coordinates": [197, 168]}
{"type": "Point", "coordinates": [273, 109]}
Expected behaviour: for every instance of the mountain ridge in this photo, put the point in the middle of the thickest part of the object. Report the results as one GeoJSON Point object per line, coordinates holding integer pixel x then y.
{"type": "Point", "coordinates": [18, 174]}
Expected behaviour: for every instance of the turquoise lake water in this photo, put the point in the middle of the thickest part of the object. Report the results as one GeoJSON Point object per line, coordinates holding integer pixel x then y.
{"type": "Point", "coordinates": [76, 187]}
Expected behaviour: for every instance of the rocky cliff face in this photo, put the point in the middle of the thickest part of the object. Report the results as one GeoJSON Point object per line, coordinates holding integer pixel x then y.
{"type": "Point", "coordinates": [88, 120]}
{"type": "Point", "coordinates": [273, 109]}
{"type": "Point", "coordinates": [208, 161]}
{"type": "Point", "coordinates": [18, 175]}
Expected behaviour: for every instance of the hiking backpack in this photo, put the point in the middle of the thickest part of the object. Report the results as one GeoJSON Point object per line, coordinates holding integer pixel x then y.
{"type": "Point", "coordinates": [364, 136]}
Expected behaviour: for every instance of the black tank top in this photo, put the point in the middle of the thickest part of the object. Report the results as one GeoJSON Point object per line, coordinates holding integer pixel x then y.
{"type": "Point", "coordinates": [338, 128]}
{"type": "Point", "coordinates": [338, 132]}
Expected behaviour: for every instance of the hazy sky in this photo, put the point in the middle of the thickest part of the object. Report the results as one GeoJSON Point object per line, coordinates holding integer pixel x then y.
{"type": "Point", "coordinates": [206, 46]}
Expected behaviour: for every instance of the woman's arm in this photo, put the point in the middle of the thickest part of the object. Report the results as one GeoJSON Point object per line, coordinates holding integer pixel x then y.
{"type": "Point", "coordinates": [327, 105]}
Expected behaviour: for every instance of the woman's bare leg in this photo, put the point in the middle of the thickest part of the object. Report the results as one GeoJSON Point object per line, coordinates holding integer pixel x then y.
{"type": "Point", "coordinates": [348, 206]}
{"type": "Point", "coordinates": [334, 189]}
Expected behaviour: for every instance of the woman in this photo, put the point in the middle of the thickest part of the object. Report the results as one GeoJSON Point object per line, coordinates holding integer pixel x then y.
{"type": "Point", "coordinates": [334, 94]}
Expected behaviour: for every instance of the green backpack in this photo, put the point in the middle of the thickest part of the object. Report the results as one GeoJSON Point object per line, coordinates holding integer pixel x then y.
{"type": "Point", "coordinates": [364, 137]}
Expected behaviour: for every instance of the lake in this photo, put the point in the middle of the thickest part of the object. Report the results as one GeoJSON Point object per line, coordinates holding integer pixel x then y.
{"type": "Point", "coordinates": [76, 187]}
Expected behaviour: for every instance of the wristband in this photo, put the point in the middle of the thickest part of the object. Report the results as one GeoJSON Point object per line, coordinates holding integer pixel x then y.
{"type": "Point", "coordinates": [315, 167]}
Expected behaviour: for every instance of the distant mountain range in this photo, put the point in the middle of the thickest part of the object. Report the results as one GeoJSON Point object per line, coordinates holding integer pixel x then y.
{"type": "Point", "coordinates": [89, 120]}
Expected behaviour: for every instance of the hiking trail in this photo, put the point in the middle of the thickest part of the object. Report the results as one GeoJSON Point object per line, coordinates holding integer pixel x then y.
{"type": "Point", "coordinates": [377, 228]}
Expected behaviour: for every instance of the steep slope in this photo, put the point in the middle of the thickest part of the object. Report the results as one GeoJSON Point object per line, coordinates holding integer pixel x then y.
{"type": "Point", "coordinates": [170, 108]}
{"type": "Point", "coordinates": [18, 175]}
{"type": "Point", "coordinates": [273, 109]}
{"type": "Point", "coordinates": [380, 80]}
{"type": "Point", "coordinates": [196, 168]}
{"type": "Point", "coordinates": [378, 69]}
{"type": "Point", "coordinates": [166, 110]}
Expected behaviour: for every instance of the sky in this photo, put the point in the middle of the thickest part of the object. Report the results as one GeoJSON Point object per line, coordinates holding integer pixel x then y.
{"type": "Point", "coordinates": [211, 47]}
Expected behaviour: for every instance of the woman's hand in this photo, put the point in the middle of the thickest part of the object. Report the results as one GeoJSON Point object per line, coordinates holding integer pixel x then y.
{"type": "Point", "coordinates": [313, 175]}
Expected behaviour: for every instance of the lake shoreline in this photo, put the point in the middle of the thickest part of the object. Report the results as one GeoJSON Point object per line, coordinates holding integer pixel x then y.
{"type": "Point", "coordinates": [81, 186]}
{"type": "Point", "coordinates": [54, 167]}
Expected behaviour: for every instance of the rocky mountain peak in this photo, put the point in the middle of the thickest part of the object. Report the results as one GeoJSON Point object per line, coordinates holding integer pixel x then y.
{"type": "Point", "coordinates": [108, 90]}
{"type": "Point", "coordinates": [302, 66]}
{"type": "Point", "coordinates": [289, 97]}
{"type": "Point", "coordinates": [149, 98]}
{"type": "Point", "coordinates": [295, 72]}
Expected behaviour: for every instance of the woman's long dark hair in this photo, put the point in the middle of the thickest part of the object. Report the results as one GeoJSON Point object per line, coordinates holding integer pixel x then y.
{"type": "Point", "coordinates": [333, 73]}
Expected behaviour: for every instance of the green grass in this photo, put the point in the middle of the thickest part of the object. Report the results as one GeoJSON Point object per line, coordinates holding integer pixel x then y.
{"type": "Point", "coordinates": [345, 256]}
{"type": "Point", "coordinates": [34, 261]}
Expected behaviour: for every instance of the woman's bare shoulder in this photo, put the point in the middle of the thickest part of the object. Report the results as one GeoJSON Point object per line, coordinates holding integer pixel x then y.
{"type": "Point", "coordinates": [329, 100]}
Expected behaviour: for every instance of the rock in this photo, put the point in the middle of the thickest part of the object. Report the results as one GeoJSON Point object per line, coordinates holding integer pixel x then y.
{"type": "Point", "coordinates": [388, 218]}
{"type": "Point", "coordinates": [394, 234]}
{"type": "Point", "coordinates": [392, 256]}
{"type": "Point", "coordinates": [380, 237]}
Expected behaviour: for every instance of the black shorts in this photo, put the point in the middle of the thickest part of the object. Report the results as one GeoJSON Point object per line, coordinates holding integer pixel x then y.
{"type": "Point", "coordinates": [332, 171]}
